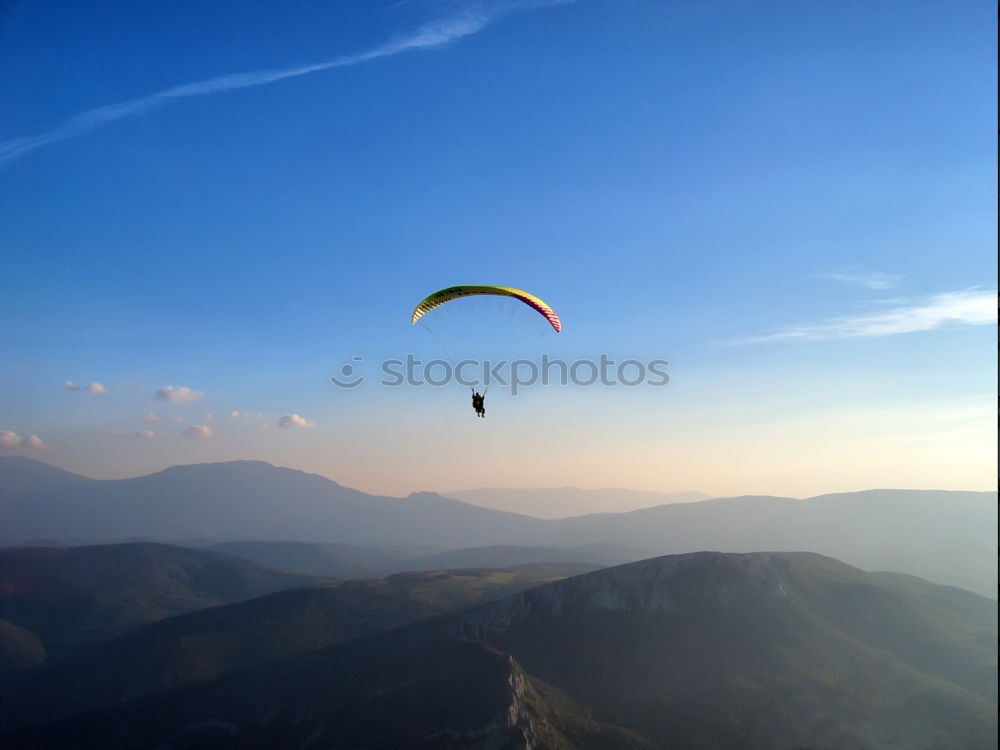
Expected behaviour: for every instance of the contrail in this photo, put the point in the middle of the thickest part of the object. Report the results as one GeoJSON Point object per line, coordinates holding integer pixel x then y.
{"type": "Point", "coordinates": [433, 34]}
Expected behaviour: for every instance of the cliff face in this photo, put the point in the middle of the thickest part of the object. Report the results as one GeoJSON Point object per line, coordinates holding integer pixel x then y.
{"type": "Point", "coordinates": [517, 726]}
{"type": "Point", "coordinates": [538, 717]}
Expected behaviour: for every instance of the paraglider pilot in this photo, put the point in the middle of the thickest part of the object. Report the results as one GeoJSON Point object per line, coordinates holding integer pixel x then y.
{"type": "Point", "coordinates": [478, 403]}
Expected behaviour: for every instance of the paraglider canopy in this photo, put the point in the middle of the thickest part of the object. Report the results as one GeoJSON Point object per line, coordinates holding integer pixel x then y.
{"type": "Point", "coordinates": [456, 292]}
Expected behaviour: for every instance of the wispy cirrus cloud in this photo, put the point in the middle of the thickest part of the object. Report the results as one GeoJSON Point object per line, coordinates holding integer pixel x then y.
{"type": "Point", "coordinates": [869, 280]}
{"type": "Point", "coordinates": [470, 19]}
{"type": "Point", "coordinates": [970, 307]}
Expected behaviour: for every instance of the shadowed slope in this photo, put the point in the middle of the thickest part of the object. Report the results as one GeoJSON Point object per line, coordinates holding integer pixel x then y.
{"type": "Point", "coordinates": [77, 596]}
{"type": "Point", "coordinates": [204, 645]}
{"type": "Point", "coordinates": [707, 650]}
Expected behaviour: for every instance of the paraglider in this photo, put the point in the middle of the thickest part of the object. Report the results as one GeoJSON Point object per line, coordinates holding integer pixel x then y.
{"type": "Point", "coordinates": [451, 293]}
{"type": "Point", "coordinates": [456, 292]}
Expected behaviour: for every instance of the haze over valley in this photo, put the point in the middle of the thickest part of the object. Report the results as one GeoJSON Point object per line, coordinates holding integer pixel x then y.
{"type": "Point", "coordinates": [256, 588]}
{"type": "Point", "coordinates": [950, 537]}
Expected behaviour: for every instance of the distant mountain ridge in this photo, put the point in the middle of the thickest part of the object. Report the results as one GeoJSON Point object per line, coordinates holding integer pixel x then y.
{"type": "Point", "coordinates": [236, 500]}
{"type": "Point", "coordinates": [943, 536]}
{"type": "Point", "coordinates": [566, 502]}
{"type": "Point", "coordinates": [353, 561]}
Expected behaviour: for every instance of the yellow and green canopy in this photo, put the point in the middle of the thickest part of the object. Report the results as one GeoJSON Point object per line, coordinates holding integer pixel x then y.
{"type": "Point", "coordinates": [455, 292]}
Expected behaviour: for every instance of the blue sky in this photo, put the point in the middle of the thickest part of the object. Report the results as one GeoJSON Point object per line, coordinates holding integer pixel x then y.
{"type": "Point", "coordinates": [793, 203]}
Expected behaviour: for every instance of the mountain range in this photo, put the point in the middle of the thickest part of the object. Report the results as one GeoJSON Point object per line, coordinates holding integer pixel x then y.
{"type": "Point", "coordinates": [705, 650]}
{"type": "Point", "coordinates": [106, 666]}
{"type": "Point", "coordinates": [945, 536]}
{"type": "Point", "coordinates": [344, 561]}
{"type": "Point", "coordinates": [564, 502]}
{"type": "Point", "coordinates": [58, 599]}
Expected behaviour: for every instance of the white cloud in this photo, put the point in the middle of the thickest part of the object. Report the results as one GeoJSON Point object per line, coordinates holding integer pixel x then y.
{"type": "Point", "coordinates": [199, 431]}
{"type": "Point", "coordinates": [179, 395]}
{"type": "Point", "coordinates": [151, 418]}
{"type": "Point", "coordinates": [870, 280]}
{"type": "Point", "coordinates": [210, 416]}
{"type": "Point", "coordinates": [95, 388]}
{"type": "Point", "coordinates": [238, 414]}
{"type": "Point", "coordinates": [294, 420]}
{"type": "Point", "coordinates": [9, 439]}
{"type": "Point", "coordinates": [468, 21]}
{"type": "Point", "coordinates": [971, 307]}
{"type": "Point", "coordinates": [111, 432]}
{"type": "Point", "coordinates": [148, 435]}
{"type": "Point", "coordinates": [178, 420]}
{"type": "Point", "coordinates": [35, 442]}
